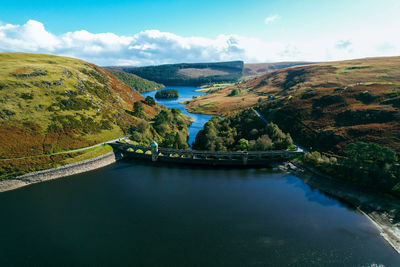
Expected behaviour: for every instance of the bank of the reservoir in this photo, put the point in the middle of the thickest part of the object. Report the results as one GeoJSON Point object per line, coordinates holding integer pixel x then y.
{"type": "Point", "coordinates": [382, 211]}
{"type": "Point", "coordinates": [59, 172]}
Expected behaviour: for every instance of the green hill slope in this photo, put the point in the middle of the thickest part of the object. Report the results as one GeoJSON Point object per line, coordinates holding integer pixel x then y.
{"type": "Point", "coordinates": [189, 73]}
{"type": "Point", "coordinates": [135, 82]}
{"type": "Point", "coordinates": [50, 104]}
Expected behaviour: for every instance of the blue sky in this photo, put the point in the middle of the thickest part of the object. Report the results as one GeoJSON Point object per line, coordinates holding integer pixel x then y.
{"type": "Point", "coordinates": [252, 30]}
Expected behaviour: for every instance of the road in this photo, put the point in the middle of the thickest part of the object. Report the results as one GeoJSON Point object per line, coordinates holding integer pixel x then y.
{"type": "Point", "coordinates": [299, 148]}
{"type": "Point", "coordinates": [71, 151]}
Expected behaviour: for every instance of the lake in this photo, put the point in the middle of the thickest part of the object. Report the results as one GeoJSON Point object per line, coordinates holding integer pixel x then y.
{"type": "Point", "coordinates": [135, 213]}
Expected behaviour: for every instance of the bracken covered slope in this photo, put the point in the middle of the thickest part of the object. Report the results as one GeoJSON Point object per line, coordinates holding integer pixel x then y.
{"type": "Point", "coordinates": [325, 106]}
{"type": "Point", "coordinates": [50, 104]}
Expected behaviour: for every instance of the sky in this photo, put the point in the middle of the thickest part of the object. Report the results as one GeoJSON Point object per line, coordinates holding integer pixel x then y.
{"type": "Point", "coordinates": [122, 32]}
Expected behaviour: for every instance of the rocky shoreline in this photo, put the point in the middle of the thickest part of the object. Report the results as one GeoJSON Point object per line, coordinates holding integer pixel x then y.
{"type": "Point", "coordinates": [59, 172]}
{"type": "Point", "coordinates": [383, 211]}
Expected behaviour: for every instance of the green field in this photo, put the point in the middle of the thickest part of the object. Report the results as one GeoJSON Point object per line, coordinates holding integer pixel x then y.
{"type": "Point", "coordinates": [52, 104]}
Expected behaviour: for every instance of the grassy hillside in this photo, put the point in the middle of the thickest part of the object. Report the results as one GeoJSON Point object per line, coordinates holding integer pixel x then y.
{"type": "Point", "coordinates": [324, 106]}
{"type": "Point", "coordinates": [51, 104]}
{"type": "Point", "coordinates": [189, 73]}
{"type": "Point", "coordinates": [258, 69]}
{"type": "Point", "coordinates": [135, 82]}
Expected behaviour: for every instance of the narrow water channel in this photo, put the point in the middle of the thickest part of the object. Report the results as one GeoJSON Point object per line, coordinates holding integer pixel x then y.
{"type": "Point", "coordinates": [185, 93]}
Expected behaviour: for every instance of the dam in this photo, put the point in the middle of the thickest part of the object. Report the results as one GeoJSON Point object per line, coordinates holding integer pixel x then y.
{"type": "Point", "coordinates": [212, 158]}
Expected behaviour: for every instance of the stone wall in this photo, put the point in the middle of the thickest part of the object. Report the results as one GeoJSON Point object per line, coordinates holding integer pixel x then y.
{"type": "Point", "coordinates": [59, 172]}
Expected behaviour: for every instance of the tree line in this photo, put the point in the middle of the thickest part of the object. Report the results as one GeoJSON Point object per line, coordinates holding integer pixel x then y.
{"type": "Point", "coordinates": [368, 165]}
{"type": "Point", "coordinates": [243, 131]}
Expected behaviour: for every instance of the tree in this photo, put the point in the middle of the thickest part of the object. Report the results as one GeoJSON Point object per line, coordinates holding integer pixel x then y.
{"type": "Point", "coordinates": [142, 125]}
{"type": "Point", "coordinates": [138, 109]}
{"type": "Point", "coordinates": [234, 92]}
{"type": "Point", "coordinates": [243, 145]}
{"type": "Point", "coordinates": [150, 101]}
{"type": "Point", "coordinates": [263, 143]}
{"type": "Point", "coordinates": [364, 153]}
{"type": "Point", "coordinates": [161, 117]}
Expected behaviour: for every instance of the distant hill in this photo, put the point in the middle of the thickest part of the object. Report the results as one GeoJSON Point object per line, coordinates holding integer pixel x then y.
{"type": "Point", "coordinates": [325, 106]}
{"type": "Point", "coordinates": [257, 69]}
{"type": "Point", "coordinates": [135, 82]}
{"type": "Point", "coordinates": [189, 73]}
{"type": "Point", "coordinates": [51, 104]}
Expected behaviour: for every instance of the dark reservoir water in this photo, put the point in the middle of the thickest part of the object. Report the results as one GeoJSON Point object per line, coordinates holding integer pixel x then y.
{"type": "Point", "coordinates": [185, 93]}
{"type": "Point", "coordinates": [136, 214]}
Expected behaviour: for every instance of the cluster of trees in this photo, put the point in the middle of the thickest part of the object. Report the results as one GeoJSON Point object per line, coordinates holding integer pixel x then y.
{"type": "Point", "coordinates": [369, 165]}
{"type": "Point", "coordinates": [168, 128]}
{"type": "Point", "coordinates": [138, 107]}
{"type": "Point", "coordinates": [135, 82]}
{"type": "Point", "coordinates": [241, 132]}
{"type": "Point", "coordinates": [167, 93]}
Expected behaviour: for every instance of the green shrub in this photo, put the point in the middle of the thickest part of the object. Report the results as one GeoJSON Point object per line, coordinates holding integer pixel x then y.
{"type": "Point", "coordinates": [234, 92]}
{"type": "Point", "coordinates": [138, 109]}
{"type": "Point", "coordinates": [150, 101]}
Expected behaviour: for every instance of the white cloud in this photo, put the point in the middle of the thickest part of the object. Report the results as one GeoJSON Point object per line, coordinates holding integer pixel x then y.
{"type": "Point", "coordinates": [343, 44]}
{"type": "Point", "coordinates": [31, 37]}
{"type": "Point", "coordinates": [271, 19]}
{"type": "Point", "coordinates": [152, 47]}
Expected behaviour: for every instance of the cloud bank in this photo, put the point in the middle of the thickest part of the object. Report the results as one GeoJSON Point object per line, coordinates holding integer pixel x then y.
{"type": "Point", "coordinates": [152, 47]}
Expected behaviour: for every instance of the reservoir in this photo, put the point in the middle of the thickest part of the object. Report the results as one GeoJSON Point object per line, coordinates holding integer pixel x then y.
{"type": "Point", "coordinates": [135, 213]}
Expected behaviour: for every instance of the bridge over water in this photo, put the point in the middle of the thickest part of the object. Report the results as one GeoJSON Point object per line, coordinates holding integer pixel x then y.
{"type": "Point", "coordinates": [213, 158]}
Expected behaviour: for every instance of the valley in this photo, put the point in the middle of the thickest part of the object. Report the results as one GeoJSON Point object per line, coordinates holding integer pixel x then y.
{"type": "Point", "coordinates": [274, 95]}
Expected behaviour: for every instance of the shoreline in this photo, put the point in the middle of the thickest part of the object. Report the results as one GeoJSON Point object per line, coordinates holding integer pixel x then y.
{"type": "Point", "coordinates": [380, 210]}
{"type": "Point", "coordinates": [59, 172]}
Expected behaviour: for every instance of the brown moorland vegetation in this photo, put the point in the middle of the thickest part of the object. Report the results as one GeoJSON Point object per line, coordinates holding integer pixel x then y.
{"type": "Point", "coordinates": [257, 69]}
{"type": "Point", "coordinates": [325, 106]}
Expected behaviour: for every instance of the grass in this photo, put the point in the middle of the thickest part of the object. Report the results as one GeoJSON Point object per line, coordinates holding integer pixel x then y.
{"type": "Point", "coordinates": [50, 104]}
{"type": "Point", "coordinates": [104, 136]}
{"type": "Point", "coordinates": [372, 83]}
{"type": "Point", "coordinates": [383, 76]}
{"type": "Point", "coordinates": [202, 107]}
{"type": "Point", "coordinates": [89, 154]}
{"type": "Point", "coordinates": [203, 72]}
{"type": "Point", "coordinates": [44, 94]}
{"type": "Point", "coordinates": [210, 88]}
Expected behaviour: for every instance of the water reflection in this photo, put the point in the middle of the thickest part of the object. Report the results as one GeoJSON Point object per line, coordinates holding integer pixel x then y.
{"type": "Point", "coordinates": [315, 195]}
